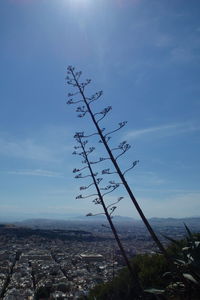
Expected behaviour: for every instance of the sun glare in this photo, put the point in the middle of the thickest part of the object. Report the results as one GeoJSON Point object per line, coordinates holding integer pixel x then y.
{"type": "Point", "coordinates": [77, 4]}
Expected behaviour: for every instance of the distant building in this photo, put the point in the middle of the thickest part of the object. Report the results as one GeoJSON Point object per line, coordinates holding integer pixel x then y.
{"type": "Point", "coordinates": [91, 257]}
{"type": "Point", "coordinates": [36, 255]}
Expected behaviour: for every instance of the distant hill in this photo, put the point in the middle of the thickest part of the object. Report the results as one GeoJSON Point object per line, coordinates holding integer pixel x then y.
{"type": "Point", "coordinates": [7, 226]}
{"type": "Point", "coordinates": [193, 222]}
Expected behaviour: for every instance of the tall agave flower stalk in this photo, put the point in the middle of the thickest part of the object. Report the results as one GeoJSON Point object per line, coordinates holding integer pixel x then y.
{"type": "Point", "coordinates": [108, 210]}
{"type": "Point", "coordinates": [85, 108]}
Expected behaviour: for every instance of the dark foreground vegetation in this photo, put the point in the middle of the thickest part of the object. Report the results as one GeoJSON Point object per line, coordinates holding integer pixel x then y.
{"type": "Point", "coordinates": [159, 280]}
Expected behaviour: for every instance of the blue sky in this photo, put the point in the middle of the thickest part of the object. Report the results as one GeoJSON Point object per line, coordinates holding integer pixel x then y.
{"type": "Point", "coordinates": [145, 56]}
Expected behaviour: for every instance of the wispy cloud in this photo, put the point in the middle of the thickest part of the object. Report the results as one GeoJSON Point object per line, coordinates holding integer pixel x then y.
{"type": "Point", "coordinates": [49, 144]}
{"type": "Point", "coordinates": [37, 172]}
{"type": "Point", "coordinates": [181, 205]}
{"type": "Point", "coordinates": [183, 54]}
{"type": "Point", "coordinates": [163, 130]}
{"type": "Point", "coordinates": [163, 40]}
{"type": "Point", "coordinates": [21, 1]}
{"type": "Point", "coordinates": [26, 148]}
{"type": "Point", "coordinates": [146, 179]}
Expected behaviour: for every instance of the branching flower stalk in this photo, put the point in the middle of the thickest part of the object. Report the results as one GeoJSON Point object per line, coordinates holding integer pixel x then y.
{"type": "Point", "coordinates": [73, 79]}
{"type": "Point", "coordinates": [100, 200]}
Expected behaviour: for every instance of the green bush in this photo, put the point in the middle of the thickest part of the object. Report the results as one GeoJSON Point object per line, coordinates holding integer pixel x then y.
{"type": "Point", "coordinates": [179, 281]}
{"type": "Point", "coordinates": [149, 268]}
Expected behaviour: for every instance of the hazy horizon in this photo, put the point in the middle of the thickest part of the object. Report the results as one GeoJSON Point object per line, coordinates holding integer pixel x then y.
{"type": "Point", "coordinates": [78, 217]}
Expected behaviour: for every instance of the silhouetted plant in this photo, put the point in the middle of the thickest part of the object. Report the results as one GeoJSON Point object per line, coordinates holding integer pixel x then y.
{"type": "Point", "coordinates": [84, 108]}
{"type": "Point", "coordinates": [108, 210]}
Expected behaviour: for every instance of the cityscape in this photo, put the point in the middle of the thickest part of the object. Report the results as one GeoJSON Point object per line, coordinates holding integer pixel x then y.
{"type": "Point", "coordinates": [66, 263]}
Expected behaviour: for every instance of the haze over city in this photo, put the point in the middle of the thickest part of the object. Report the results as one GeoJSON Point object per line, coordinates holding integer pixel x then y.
{"type": "Point", "coordinates": [145, 57]}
